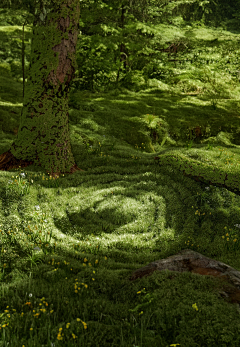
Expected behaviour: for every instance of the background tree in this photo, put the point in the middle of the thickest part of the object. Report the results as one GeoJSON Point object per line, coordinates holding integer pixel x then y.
{"type": "Point", "coordinates": [43, 136]}
{"type": "Point", "coordinates": [119, 40]}
{"type": "Point", "coordinates": [118, 43]}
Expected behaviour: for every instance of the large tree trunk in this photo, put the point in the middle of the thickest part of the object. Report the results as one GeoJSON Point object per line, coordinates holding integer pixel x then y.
{"type": "Point", "coordinates": [43, 135]}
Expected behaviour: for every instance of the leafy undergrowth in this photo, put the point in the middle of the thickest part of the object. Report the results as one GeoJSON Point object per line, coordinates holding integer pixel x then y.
{"type": "Point", "coordinates": [68, 247]}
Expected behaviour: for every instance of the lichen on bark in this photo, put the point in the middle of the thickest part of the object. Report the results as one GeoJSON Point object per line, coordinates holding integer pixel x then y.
{"type": "Point", "coordinates": [43, 135]}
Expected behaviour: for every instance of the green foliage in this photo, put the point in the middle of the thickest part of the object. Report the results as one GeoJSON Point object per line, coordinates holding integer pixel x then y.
{"type": "Point", "coordinates": [211, 12]}
{"type": "Point", "coordinates": [121, 212]}
{"type": "Point", "coordinates": [102, 64]}
{"type": "Point", "coordinates": [21, 187]}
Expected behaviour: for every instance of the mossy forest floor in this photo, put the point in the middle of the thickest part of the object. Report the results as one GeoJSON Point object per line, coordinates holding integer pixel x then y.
{"type": "Point", "coordinates": [68, 246]}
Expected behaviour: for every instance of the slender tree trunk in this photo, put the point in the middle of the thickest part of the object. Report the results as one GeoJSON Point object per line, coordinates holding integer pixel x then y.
{"type": "Point", "coordinates": [123, 49]}
{"type": "Point", "coordinates": [43, 135]}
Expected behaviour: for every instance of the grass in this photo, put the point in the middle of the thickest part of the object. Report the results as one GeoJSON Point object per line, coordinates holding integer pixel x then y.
{"type": "Point", "coordinates": [68, 245]}
{"type": "Point", "coordinates": [68, 285]}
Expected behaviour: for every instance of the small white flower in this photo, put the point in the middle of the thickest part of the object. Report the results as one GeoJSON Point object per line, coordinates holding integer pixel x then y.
{"type": "Point", "coordinates": [22, 174]}
{"type": "Point", "coordinates": [30, 295]}
{"type": "Point", "coordinates": [37, 249]}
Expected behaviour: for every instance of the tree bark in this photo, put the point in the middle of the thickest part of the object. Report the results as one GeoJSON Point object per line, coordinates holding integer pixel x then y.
{"type": "Point", "coordinates": [123, 49]}
{"type": "Point", "coordinates": [43, 136]}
